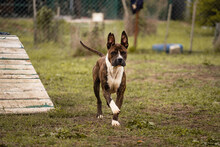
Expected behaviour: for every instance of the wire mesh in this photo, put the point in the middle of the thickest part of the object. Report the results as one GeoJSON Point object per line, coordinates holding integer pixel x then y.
{"type": "Point", "coordinates": [65, 22]}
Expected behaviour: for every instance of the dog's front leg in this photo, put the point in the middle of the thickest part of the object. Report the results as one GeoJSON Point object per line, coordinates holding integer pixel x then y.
{"type": "Point", "coordinates": [120, 96]}
{"type": "Point", "coordinates": [119, 101]}
{"type": "Point", "coordinates": [110, 102]}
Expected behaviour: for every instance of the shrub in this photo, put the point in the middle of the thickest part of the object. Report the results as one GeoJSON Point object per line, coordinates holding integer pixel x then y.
{"type": "Point", "coordinates": [44, 24]}
{"type": "Point", "coordinates": [208, 12]}
{"type": "Point", "coordinates": [48, 29]}
{"type": "Point", "coordinates": [93, 39]}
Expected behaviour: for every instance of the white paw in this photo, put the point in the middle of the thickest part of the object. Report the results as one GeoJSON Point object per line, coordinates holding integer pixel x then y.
{"type": "Point", "coordinates": [114, 107]}
{"type": "Point", "coordinates": [115, 123]}
{"type": "Point", "coordinates": [100, 117]}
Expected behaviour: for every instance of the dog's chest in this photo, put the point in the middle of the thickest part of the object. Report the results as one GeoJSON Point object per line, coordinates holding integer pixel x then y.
{"type": "Point", "coordinates": [114, 77]}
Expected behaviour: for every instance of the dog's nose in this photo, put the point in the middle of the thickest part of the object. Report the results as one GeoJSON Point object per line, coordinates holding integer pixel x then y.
{"type": "Point", "coordinates": [120, 60]}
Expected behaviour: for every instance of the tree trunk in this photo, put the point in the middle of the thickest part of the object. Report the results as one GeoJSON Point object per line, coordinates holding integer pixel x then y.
{"type": "Point", "coordinates": [128, 21]}
{"type": "Point", "coordinates": [136, 30]}
{"type": "Point", "coordinates": [216, 41]}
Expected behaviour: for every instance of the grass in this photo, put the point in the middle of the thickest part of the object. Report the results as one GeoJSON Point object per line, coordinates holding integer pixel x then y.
{"type": "Point", "coordinates": [179, 32]}
{"type": "Point", "coordinates": [170, 100]}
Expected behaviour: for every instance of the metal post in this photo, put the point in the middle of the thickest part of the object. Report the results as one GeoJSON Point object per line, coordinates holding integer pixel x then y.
{"type": "Point", "coordinates": [136, 30]}
{"type": "Point", "coordinates": [216, 41]}
{"type": "Point", "coordinates": [71, 7]}
{"type": "Point", "coordinates": [58, 11]}
{"type": "Point", "coordinates": [125, 8]}
{"type": "Point", "coordinates": [168, 24]}
{"type": "Point", "coordinates": [35, 22]}
{"type": "Point", "coordinates": [192, 27]}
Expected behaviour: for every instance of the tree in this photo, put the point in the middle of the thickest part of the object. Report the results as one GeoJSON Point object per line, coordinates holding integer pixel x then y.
{"type": "Point", "coordinates": [208, 12]}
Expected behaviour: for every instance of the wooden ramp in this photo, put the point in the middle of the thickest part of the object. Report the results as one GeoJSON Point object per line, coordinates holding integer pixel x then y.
{"type": "Point", "coordinates": [21, 90]}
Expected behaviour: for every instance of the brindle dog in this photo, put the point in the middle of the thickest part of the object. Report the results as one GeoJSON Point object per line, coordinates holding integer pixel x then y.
{"type": "Point", "coordinates": [109, 71]}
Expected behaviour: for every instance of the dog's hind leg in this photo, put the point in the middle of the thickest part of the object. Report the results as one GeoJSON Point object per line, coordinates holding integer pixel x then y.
{"type": "Point", "coordinates": [96, 88]}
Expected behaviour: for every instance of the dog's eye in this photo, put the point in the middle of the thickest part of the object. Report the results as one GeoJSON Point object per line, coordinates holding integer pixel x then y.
{"type": "Point", "coordinates": [122, 53]}
{"type": "Point", "coordinates": [113, 53]}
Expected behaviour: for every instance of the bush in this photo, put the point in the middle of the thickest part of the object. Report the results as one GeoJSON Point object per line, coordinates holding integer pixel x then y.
{"type": "Point", "coordinates": [48, 29]}
{"type": "Point", "coordinates": [93, 39]}
{"type": "Point", "coordinates": [208, 12]}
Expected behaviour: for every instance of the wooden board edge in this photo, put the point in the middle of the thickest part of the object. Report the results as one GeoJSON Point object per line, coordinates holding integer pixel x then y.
{"type": "Point", "coordinates": [25, 110]}
{"type": "Point", "coordinates": [8, 36]}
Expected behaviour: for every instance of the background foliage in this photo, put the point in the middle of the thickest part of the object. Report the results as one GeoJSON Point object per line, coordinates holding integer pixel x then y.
{"type": "Point", "coordinates": [208, 12]}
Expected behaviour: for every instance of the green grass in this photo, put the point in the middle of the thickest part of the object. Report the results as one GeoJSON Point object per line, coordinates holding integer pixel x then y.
{"type": "Point", "coordinates": [179, 32]}
{"type": "Point", "coordinates": [170, 100]}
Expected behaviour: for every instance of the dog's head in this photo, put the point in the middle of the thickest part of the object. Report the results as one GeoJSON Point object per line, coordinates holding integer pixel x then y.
{"type": "Point", "coordinates": [117, 53]}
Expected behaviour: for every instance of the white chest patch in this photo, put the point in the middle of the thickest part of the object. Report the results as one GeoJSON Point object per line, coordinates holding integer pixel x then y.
{"type": "Point", "coordinates": [114, 76]}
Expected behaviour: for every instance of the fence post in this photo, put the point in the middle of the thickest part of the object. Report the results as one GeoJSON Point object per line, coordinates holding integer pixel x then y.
{"type": "Point", "coordinates": [127, 19]}
{"type": "Point", "coordinates": [35, 22]}
{"type": "Point", "coordinates": [217, 32]}
{"type": "Point", "coordinates": [58, 11]}
{"type": "Point", "coordinates": [136, 30]}
{"type": "Point", "coordinates": [216, 41]}
{"type": "Point", "coordinates": [193, 24]}
{"type": "Point", "coordinates": [168, 24]}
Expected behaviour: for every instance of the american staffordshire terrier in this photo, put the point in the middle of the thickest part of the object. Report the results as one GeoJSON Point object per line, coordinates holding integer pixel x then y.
{"type": "Point", "coordinates": [109, 71]}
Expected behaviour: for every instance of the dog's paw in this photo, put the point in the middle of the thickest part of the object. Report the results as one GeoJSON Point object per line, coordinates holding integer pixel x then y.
{"type": "Point", "coordinates": [100, 116]}
{"type": "Point", "coordinates": [114, 107]}
{"type": "Point", "coordinates": [115, 123]}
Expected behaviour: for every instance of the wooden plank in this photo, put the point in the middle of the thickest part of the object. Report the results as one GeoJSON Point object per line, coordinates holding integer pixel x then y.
{"type": "Point", "coordinates": [25, 103]}
{"type": "Point", "coordinates": [15, 62]}
{"type": "Point", "coordinates": [20, 81]}
{"type": "Point", "coordinates": [10, 42]}
{"type": "Point", "coordinates": [21, 87]}
{"type": "Point", "coordinates": [14, 56]}
{"type": "Point", "coordinates": [12, 37]}
{"type": "Point", "coordinates": [19, 77]}
{"type": "Point", "coordinates": [9, 39]}
{"type": "Point", "coordinates": [21, 90]}
{"type": "Point", "coordinates": [12, 51]}
{"type": "Point", "coordinates": [17, 72]}
{"type": "Point", "coordinates": [25, 110]}
{"type": "Point", "coordinates": [17, 44]}
{"type": "Point", "coordinates": [17, 67]}
{"type": "Point", "coordinates": [24, 95]}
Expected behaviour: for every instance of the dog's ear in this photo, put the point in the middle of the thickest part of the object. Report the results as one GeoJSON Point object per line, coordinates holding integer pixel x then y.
{"type": "Point", "coordinates": [111, 40]}
{"type": "Point", "coordinates": [124, 39]}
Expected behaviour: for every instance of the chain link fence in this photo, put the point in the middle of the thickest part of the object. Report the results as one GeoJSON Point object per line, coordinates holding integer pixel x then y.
{"type": "Point", "coordinates": [66, 22]}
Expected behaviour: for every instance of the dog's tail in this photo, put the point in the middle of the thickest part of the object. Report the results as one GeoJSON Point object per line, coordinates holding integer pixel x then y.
{"type": "Point", "coordinates": [92, 50]}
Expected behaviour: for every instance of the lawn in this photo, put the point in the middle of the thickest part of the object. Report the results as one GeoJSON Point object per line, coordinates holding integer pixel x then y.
{"type": "Point", "coordinates": [170, 100]}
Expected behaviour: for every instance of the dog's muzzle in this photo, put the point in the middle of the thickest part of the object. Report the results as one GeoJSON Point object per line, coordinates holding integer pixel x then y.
{"type": "Point", "coordinates": [119, 62]}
